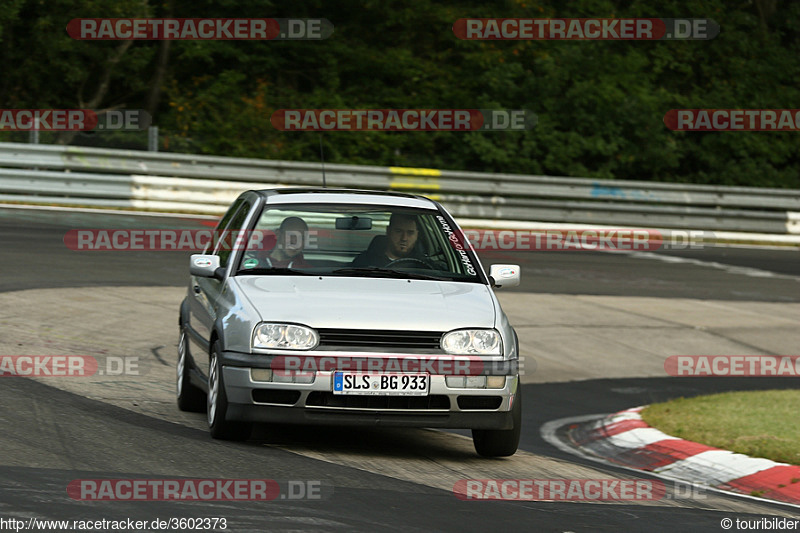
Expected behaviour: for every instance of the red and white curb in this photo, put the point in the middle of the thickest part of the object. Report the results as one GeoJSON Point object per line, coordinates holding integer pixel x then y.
{"type": "Point", "coordinates": [624, 439]}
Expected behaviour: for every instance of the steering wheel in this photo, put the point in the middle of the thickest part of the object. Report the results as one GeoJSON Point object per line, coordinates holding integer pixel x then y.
{"type": "Point", "coordinates": [410, 260]}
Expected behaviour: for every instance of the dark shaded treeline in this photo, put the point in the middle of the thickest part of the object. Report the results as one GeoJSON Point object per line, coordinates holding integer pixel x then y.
{"type": "Point", "coordinates": [600, 103]}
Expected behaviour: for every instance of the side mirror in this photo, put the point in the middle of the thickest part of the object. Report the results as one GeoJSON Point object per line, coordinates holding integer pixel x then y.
{"type": "Point", "coordinates": [504, 276]}
{"type": "Point", "coordinates": [204, 266]}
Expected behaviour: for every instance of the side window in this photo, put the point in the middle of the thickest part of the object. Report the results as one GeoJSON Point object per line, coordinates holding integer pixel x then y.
{"type": "Point", "coordinates": [226, 237]}
{"type": "Point", "coordinates": [222, 224]}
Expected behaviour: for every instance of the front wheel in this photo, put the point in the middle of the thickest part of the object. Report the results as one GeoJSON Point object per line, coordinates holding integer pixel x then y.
{"type": "Point", "coordinates": [501, 442]}
{"type": "Point", "coordinates": [218, 404]}
{"type": "Point", "coordinates": [190, 398]}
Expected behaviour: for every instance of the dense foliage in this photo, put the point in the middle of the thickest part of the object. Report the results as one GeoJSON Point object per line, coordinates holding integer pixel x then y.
{"type": "Point", "coordinates": [600, 103]}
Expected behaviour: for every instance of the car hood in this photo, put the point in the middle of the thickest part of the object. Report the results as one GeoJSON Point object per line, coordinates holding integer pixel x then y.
{"type": "Point", "coordinates": [370, 303]}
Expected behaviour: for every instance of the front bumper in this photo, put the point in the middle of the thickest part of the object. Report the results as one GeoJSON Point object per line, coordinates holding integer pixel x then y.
{"type": "Point", "coordinates": [314, 403]}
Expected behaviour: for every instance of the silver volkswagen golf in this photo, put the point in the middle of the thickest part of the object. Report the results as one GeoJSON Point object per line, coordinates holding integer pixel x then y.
{"type": "Point", "coordinates": [332, 306]}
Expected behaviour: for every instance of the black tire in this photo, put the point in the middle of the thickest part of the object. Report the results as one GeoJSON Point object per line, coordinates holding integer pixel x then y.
{"type": "Point", "coordinates": [501, 442]}
{"type": "Point", "coordinates": [190, 397]}
{"type": "Point", "coordinates": [217, 404]}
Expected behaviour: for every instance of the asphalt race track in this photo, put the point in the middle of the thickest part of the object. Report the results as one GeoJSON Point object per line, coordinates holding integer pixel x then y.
{"type": "Point", "coordinates": [595, 326]}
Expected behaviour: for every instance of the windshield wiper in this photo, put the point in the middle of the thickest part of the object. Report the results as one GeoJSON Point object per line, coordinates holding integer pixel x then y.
{"type": "Point", "coordinates": [415, 275]}
{"type": "Point", "coordinates": [386, 273]}
{"type": "Point", "coordinates": [273, 271]}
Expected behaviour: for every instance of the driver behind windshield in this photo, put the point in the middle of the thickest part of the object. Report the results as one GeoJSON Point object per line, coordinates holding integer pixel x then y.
{"type": "Point", "coordinates": [288, 251]}
{"type": "Point", "coordinates": [399, 243]}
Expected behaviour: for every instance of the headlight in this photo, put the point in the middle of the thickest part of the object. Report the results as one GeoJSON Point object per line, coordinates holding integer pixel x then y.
{"type": "Point", "coordinates": [472, 341]}
{"type": "Point", "coordinates": [284, 337]}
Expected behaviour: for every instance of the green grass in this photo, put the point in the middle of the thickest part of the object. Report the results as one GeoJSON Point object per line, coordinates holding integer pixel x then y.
{"type": "Point", "coordinates": [756, 423]}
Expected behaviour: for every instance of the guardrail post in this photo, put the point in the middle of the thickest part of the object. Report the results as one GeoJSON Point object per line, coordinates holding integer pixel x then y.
{"type": "Point", "coordinates": [33, 135]}
{"type": "Point", "coordinates": [152, 139]}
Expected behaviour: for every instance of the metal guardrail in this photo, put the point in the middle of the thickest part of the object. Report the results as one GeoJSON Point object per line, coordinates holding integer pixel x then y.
{"type": "Point", "coordinates": [207, 184]}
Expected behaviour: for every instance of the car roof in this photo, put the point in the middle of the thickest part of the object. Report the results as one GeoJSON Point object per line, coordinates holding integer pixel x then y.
{"type": "Point", "coordinates": [298, 195]}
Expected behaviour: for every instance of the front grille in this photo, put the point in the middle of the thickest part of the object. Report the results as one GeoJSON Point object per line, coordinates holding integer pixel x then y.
{"type": "Point", "coordinates": [349, 401]}
{"type": "Point", "coordinates": [469, 403]}
{"type": "Point", "coordinates": [373, 338]}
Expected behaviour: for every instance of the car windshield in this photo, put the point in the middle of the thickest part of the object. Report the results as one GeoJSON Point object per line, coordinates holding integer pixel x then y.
{"type": "Point", "coordinates": [357, 241]}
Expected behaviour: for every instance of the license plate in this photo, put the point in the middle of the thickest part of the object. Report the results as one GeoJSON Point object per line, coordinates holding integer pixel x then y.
{"type": "Point", "coordinates": [380, 384]}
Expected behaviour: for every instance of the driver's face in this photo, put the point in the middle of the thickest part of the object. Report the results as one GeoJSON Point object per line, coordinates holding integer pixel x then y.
{"type": "Point", "coordinates": [402, 238]}
{"type": "Point", "coordinates": [292, 239]}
